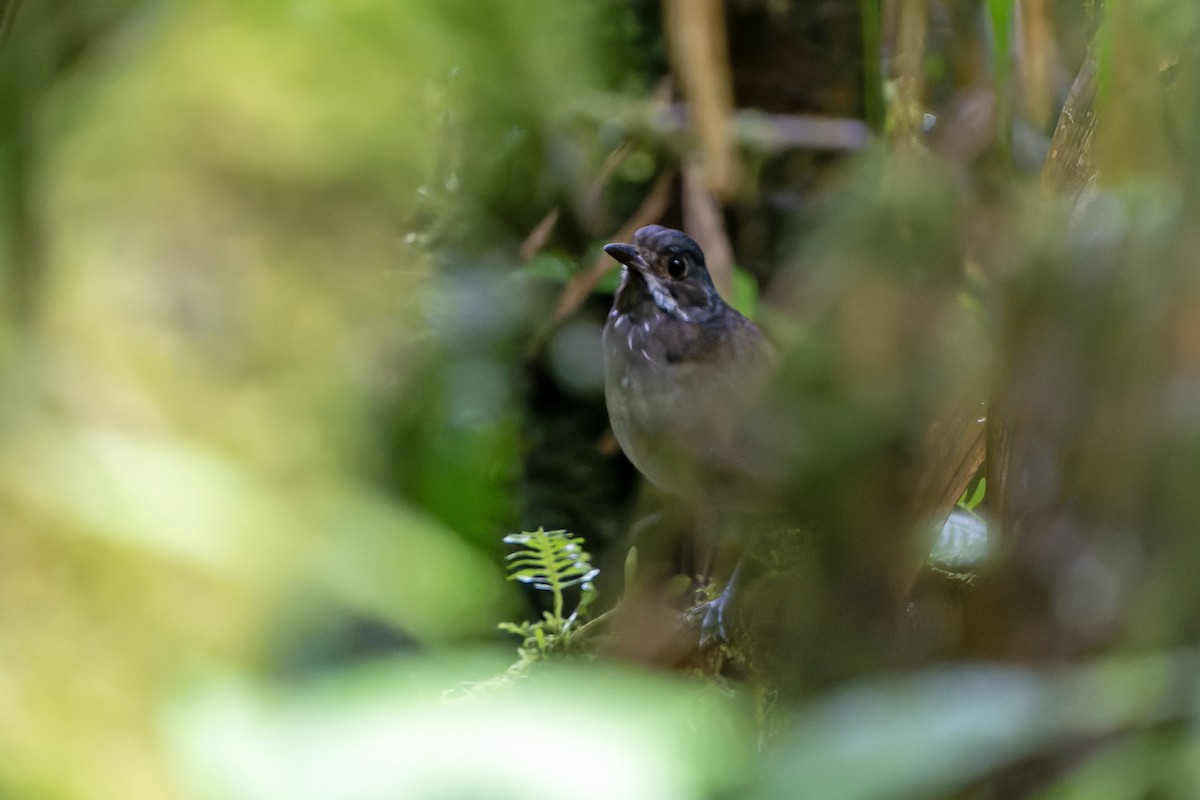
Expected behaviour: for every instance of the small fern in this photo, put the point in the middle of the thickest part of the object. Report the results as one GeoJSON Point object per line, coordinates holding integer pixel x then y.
{"type": "Point", "coordinates": [551, 561]}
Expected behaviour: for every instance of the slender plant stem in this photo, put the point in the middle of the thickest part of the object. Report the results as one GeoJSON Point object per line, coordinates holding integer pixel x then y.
{"type": "Point", "coordinates": [872, 39]}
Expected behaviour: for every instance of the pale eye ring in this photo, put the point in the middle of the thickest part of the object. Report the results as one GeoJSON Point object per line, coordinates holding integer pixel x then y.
{"type": "Point", "coordinates": [676, 267]}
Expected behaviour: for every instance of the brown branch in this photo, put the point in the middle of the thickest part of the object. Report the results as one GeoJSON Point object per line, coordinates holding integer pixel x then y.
{"type": "Point", "coordinates": [1071, 163]}
{"type": "Point", "coordinates": [751, 129]}
{"type": "Point", "coordinates": [702, 219]}
{"type": "Point", "coordinates": [699, 46]}
{"type": "Point", "coordinates": [537, 238]}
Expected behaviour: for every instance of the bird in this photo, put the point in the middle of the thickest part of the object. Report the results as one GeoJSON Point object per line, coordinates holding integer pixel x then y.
{"type": "Point", "coordinates": [681, 365]}
{"type": "Point", "coordinates": [682, 371]}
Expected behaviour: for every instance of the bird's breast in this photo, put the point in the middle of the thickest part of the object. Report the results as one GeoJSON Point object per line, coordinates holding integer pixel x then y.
{"type": "Point", "coordinates": [646, 399]}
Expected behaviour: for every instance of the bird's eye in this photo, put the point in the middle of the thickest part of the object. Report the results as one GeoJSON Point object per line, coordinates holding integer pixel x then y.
{"type": "Point", "coordinates": [676, 267]}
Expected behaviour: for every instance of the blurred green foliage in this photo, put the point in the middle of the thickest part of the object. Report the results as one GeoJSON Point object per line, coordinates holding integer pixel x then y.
{"type": "Point", "coordinates": [227, 326]}
{"type": "Point", "coordinates": [266, 381]}
{"type": "Point", "coordinates": [384, 731]}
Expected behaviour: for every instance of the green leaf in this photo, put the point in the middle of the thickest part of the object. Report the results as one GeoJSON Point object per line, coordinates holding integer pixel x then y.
{"type": "Point", "coordinates": [1001, 13]}
{"type": "Point", "coordinates": [608, 284]}
{"type": "Point", "coordinates": [552, 561]}
{"type": "Point", "coordinates": [745, 293]}
{"type": "Point", "coordinates": [549, 267]}
{"type": "Point", "coordinates": [972, 496]}
{"type": "Point", "coordinates": [392, 731]}
{"type": "Point", "coordinates": [937, 731]}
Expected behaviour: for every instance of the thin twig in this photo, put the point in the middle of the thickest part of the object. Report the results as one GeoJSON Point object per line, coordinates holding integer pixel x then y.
{"type": "Point", "coordinates": [703, 221]}
{"type": "Point", "coordinates": [750, 128]}
{"type": "Point", "coordinates": [595, 190]}
{"type": "Point", "coordinates": [578, 288]}
{"type": "Point", "coordinates": [536, 239]}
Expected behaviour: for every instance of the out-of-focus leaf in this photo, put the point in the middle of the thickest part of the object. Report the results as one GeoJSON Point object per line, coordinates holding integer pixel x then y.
{"type": "Point", "coordinates": [937, 730]}
{"type": "Point", "coordinates": [181, 501]}
{"type": "Point", "coordinates": [170, 497]}
{"type": "Point", "coordinates": [549, 267]}
{"type": "Point", "coordinates": [911, 738]}
{"type": "Point", "coordinates": [1140, 764]}
{"type": "Point", "coordinates": [609, 283]}
{"type": "Point", "coordinates": [970, 500]}
{"type": "Point", "coordinates": [403, 566]}
{"type": "Point", "coordinates": [745, 293]}
{"type": "Point", "coordinates": [1000, 15]}
{"type": "Point", "coordinates": [962, 543]}
{"type": "Point", "coordinates": [390, 731]}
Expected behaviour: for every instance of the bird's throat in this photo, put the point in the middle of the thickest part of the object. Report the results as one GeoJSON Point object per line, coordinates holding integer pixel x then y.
{"type": "Point", "coordinates": [665, 300]}
{"type": "Point", "coordinates": [680, 301]}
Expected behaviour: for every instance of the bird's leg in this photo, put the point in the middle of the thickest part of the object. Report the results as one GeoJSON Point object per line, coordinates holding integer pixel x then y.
{"type": "Point", "coordinates": [712, 624]}
{"type": "Point", "coordinates": [705, 547]}
{"type": "Point", "coordinates": [716, 549]}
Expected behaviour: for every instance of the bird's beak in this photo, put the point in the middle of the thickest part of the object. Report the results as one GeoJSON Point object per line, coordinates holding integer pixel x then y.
{"type": "Point", "coordinates": [628, 255]}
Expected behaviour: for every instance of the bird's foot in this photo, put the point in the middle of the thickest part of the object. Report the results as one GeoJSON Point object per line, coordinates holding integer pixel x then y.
{"type": "Point", "coordinates": [711, 616]}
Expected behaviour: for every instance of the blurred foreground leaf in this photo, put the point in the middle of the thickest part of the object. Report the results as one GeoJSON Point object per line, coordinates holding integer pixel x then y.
{"type": "Point", "coordinates": [962, 543]}
{"type": "Point", "coordinates": [940, 729]}
{"type": "Point", "coordinates": [390, 731]}
{"type": "Point", "coordinates": [183, 502]}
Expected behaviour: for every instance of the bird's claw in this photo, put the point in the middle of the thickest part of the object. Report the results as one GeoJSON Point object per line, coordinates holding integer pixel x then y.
{"type": "Point", "coordinates": [712, 616]}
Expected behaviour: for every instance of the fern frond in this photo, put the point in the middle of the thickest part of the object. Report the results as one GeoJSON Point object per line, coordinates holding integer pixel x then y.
{"type": "Point", "coordinates": [551, 561]}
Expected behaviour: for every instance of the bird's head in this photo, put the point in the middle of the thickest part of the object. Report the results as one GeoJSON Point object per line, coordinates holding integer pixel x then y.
{"type": "Point", "coordinates": [668, 266]}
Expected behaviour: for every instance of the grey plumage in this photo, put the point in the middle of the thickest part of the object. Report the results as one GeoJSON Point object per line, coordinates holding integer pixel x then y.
{"type": "Point", "coordinates": [682, 368]}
